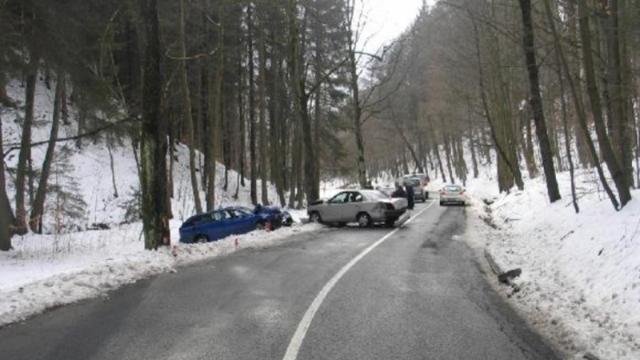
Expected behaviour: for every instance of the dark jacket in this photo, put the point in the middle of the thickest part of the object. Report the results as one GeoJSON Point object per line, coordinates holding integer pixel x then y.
{"type": "Point", "coordinates": [410, 197]}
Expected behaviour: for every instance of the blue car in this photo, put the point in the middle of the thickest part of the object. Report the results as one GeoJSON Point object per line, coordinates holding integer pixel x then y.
{"type": "Point", "coordinates": [223, 222]}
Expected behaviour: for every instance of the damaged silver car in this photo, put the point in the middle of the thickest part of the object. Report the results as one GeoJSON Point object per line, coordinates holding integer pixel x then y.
{"type": "Point", "coordinates": [366, 207]}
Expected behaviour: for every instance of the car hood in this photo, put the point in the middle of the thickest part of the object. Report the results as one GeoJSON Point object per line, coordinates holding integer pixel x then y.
{"type": "Point", "coordinates": [317, 202]}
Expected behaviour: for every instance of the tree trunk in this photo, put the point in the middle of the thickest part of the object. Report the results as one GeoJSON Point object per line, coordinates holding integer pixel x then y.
{"type": "Point", "coordinates": [447, 152]}
{"type": "Point", "coordinates": [262, 125]}
{"type": "Point", "coordinates": [461, 164]}
{"type": "Point", "coordinates": [409, 146]}
{"type": "Point", "coordinates": [536, 103]}
{"type": "Point", "coordinates": [436, 150]}
{"type": "Point", "coordinates": [215, 112]}
{"type": "Point", "coordinates": [6, 214]}
{"type": "Point", "coordinates": [581, 115]}
{"type": "Point", "coordinates": [187, 111]}
{"type": "Point", "coordinates": [504, 160]}
{"type": "Point", "coordinates": [37, 208]}
{"type": "Point", "coordinates": [596, 107]}
{"type": "Point", "coordinates": [252, 109]}
{"type": "Point", "coordinates": [243, 126]}
{"type": "Point", "coordinates": [567, 140]}
{"type": "Point", "coordinates": [405, 165]}
{"type": "Point", "coordinates": [155, 217]}
{"type": "Point", "coordinates": [276, 128]}
{"type": "Point", "coordinates": [357, 115]}
{"type": "Point", "coordinates": [619, 119]}
{"type": "Point", "coordinates": [295, 164]}
{"type": "Point", "coordinates": [529, 156]}
{"type": "Point", "coordinates": [25, 152]}
{"type": "Point", "coordinates": [301, 103]}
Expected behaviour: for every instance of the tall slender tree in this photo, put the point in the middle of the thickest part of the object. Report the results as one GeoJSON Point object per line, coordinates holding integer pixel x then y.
{"type": "Point", "coordinates": [536, 102]}
{"type": "Point", "coordinates": [153, 144]}
{"type": "Point", "coordinates": [37, 209]}
{"type": "Point", "coordinates": [187, 110]}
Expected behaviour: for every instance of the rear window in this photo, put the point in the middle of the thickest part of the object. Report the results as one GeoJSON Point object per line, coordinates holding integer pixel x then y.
{"type": "Point", "coordinates": [376, 195]}
{"type": "Point", "coordinates": [453, 188]}
{"type": "Point", "coordinates": [412, 181]}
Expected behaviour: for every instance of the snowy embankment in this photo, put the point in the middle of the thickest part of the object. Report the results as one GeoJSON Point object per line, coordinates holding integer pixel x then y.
{"type": "Point", "coordinates": [580, 281]}
{"type": "Point", "coordinates": [94, 185]}
{"type": "Point", "coordinates": [48, 271]}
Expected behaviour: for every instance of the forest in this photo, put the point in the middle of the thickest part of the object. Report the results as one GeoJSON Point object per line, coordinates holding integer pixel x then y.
{"type": "Point", "coordinates": [284, 91]}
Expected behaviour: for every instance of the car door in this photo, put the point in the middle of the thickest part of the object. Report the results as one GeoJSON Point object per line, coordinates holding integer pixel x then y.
{"type": "Point", "coordinates": [212, 224]}
{"type": "Point", "coordinates": [352, 207]}
{"type": "Point", "coordinates": [235, 223]}
{"type": "Point", "coordinates": [246, 221]}
{"type": "Point", "coordinates": [333, 209]}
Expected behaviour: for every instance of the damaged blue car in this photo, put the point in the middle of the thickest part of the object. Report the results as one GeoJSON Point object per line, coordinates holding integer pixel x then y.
{"type": "Point", "coordinates": [218, 224]}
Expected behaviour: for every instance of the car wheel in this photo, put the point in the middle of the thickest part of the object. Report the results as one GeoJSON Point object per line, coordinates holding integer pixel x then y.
{"type": "Point", "coordinates": [364, 220]}
{"type": "Point", "coordinates": [441, 203]}
{"type": "Point", "coordinates": [390, 223]}
{"type": "Point", "coordinates": [200, 239]}
{"type": "Point", "coordinates": [261, 225]}
{"type": "Point", "coordinates": [314, 217]}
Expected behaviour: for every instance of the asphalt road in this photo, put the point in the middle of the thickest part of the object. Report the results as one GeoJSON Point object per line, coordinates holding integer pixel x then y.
{"type": "Point", "coordinates": [418, 295]}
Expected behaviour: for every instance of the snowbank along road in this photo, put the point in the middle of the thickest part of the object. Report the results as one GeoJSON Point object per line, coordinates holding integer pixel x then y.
{"type": "Point", "coordinates": [411, 293]}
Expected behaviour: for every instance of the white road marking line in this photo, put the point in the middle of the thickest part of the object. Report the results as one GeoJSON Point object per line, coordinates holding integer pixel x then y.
{"type": "Point", "coordinates": [301, 331]}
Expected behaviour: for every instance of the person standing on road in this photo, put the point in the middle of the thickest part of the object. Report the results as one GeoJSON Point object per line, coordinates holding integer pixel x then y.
{"type": "Point", "coordinates": [410, 196]}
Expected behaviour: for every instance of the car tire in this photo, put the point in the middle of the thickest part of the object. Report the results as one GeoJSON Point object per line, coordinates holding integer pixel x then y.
{"type": "Point", "coordinates": [390, 223]}
{"type": "Point", "coordinates": [201, 239]}
{"type": "Point", "coordinates": [261, 225]}
{"type": "Point", "coordinates": [364, 220]}
{"type": "Point", "coordinates": [441, 203]}
{"type": "Point", "coordinates": [315, 217]}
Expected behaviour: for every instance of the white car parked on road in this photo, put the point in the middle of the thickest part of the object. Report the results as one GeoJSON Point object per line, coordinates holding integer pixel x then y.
{"type": "Point", "coordinates": [453, 194]}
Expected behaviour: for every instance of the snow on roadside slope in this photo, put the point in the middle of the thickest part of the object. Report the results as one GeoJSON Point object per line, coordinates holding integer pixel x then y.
{"type": "Point", "coordinates": [44, 271]}
{"type": "Point", "coordinates": [581, 273]}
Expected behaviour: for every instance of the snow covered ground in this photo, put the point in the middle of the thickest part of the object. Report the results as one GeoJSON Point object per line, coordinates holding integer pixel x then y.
{"type": "Point", "coordinates": [47, 271]}
{"type": "Point", "coordinates": [580, 280]}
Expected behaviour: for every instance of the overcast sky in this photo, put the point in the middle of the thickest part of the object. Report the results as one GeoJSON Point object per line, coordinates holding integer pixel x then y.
{"type": "Point", "coordinates": [386, 19]}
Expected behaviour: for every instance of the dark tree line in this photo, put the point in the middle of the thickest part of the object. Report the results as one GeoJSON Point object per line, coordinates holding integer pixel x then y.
{"type": "Point", "coordinates": [254, 85]}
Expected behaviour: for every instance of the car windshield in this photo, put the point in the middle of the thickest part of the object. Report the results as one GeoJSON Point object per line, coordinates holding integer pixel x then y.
{"type": "Point", "coordinates": [340, 198]}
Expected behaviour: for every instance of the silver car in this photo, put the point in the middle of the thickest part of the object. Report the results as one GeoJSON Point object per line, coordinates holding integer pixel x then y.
{"type": "Point", "coordinates": [366, 207]}
{"type": "Point", "coordinates": [453, 194]}
{"type": "Point", "coordinates": [419, 184]}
